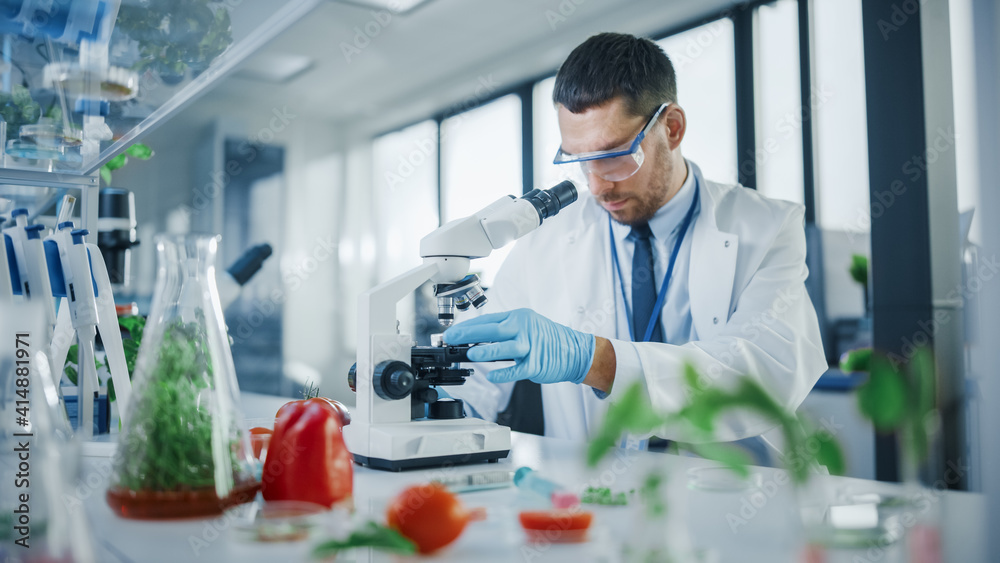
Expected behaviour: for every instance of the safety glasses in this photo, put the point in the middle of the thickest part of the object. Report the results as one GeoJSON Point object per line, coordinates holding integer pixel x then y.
{"type": "Point", "coordinates": [615, 164]}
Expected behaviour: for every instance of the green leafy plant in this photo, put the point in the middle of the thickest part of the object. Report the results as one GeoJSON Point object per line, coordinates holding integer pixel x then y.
{"type": "Point", "coordinates": [138, 150]}
{"type": "Point", "coordinates": [899, 396]}
{"type": "Point", "coordinates": [705, 405]}
{"type": "Point", "coordinates": [169, 445]}
{"type": "Point", "coordinates": [18, 108]}
{"type": "Point", "coordinates": [858, 270]}
{"type": "Point", "coordinates": [134, 324]}
{"type": "Point", "coordinates": [174, 35]}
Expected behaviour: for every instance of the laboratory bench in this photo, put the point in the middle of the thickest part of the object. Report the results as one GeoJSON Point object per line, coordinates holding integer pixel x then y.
{"type": "Point", "coordinates": [749, 525]}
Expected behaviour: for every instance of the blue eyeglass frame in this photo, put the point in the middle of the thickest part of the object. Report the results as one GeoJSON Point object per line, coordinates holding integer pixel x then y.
{"type": "Point", "coordinates": [566, 158]}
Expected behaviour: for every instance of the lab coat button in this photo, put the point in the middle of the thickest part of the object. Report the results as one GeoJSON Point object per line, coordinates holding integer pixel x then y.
{"type": "Point", "coordinates": [581, 310]}
{"type": "Point", "coordinates": [727, 244]}
{"type": "Point", "coordinates": [715, 320]}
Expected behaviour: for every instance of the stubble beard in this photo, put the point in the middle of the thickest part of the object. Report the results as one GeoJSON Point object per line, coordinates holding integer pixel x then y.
{"type": "Point", "coordinates": [648, 203]}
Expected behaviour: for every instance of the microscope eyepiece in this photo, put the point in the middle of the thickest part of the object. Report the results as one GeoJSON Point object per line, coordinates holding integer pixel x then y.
{"type": "Point", "coordinates": [551, 201]}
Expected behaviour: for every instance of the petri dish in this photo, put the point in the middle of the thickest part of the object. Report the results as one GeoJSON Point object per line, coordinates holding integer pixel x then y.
{"type": "Point", "coordinates": [279, 521]}
{"type": "Point", "coordinates": [115, 84]}
{"type": "Point", "coordinates": [51, 135]}
{"type": "Point", "coordinates": [32, 151]}
{"type": "Point", "coordinates": [721, 479]}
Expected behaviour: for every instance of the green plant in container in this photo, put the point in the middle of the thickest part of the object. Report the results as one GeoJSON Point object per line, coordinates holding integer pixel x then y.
{"type": "Point", "coordinates": [704, 407]}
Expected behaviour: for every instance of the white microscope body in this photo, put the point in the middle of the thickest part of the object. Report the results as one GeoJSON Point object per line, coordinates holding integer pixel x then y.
{"type": "Point", "coordinates": [383, 433]}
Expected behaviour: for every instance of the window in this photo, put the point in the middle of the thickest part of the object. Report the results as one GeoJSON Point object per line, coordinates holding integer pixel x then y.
{"type": "Point", "coordinates": [704, 60]}
{"type": "Point", "coordinates": [545, 130]}
{"type": "Point", "coordinates": [404, 170]}
{"type": "Point", "coordinates": [777, 95]}
{"type": "Point", "coordinates": [963, 85]}
{"type": "Point", "coordinates": [480, 163]}
{"type": "Point", "coordinates": [841, 130]}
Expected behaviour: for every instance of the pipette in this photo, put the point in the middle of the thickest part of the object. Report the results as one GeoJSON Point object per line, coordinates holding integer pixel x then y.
{"type": "Point", "coordinates": [527, 479]}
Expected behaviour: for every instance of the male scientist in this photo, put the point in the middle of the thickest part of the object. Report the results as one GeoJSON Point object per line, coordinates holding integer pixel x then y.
{"type": "Point", "coordinates": [656, 266]}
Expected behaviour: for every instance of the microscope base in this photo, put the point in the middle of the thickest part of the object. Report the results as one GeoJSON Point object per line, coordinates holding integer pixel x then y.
{"type": "Point", "coordinates": [426, 443]}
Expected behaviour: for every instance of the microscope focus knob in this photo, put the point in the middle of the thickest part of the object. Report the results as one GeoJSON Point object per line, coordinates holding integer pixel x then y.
{"type": "Point", "coordinates": [352, 377]}
{"type": "Point", "coordinates": [393, 380]}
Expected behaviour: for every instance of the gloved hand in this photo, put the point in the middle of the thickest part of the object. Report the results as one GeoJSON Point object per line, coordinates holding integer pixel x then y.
{"type": "Point", "coordinates": [543, 351]}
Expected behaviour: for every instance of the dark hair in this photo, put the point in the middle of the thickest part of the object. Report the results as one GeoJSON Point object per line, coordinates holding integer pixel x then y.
{"type": "Point", "coordinates": [608, 65]}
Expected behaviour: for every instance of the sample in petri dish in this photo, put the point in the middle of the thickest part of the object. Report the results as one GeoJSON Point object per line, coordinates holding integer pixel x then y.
{"type": "Point", "coordinates": [721, 479]}
{"type": "Point", "coordinates": [279, 521]}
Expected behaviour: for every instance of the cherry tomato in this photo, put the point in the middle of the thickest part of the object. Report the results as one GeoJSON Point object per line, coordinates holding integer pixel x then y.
{"type": "Point", "coordinates": [429, 516]}
{"type": "Point", "coordinates": [562, 525]}
{"type": "Point", "coordinates": [260, 437]}
{"type": "Point", "coordinates": [336, 407]}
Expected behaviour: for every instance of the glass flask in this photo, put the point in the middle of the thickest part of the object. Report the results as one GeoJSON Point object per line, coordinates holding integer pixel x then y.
{"type": "Point", "coordinates": [41, 518]}
{"type": "Point", "coordinates": [183, 451]}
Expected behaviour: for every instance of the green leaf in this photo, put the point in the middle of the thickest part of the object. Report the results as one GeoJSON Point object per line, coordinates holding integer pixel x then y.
{"type": "Point", "coordinates": [922, 382]}
{"type": "Point", "coordinates": [134, 324]}
{"type": "Point", "coordinates": [920, 403]}
{"type": "Point", "coordinates": [117, 162]}
{"type": "Point", "coordinates": [630, 413]}
{"type": "Point", "coordinates": [106, 174]}
{"type": "Point", "coordinates": [140, 151]}
{"type": "Point", "coordinates": [882, 399]}
{"type": "Point", "coordinates": [829, 453]}
{"type": "Point", "coordinates": [858, 360]}
{"type": "Point", "coordinates": [859, 268]}
{"type": "Point", "coordinates": [371, 534]}
{"type": "Point", "coordinates": [71, 374]}
{"type": "Point", "coordinates": [71, 356]}
{"type": "Point", "coordinates": [111, 390]}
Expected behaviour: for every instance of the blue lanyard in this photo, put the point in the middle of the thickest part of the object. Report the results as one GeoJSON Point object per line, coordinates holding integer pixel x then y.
{"type": "Point", "coordinates": [658, 307]}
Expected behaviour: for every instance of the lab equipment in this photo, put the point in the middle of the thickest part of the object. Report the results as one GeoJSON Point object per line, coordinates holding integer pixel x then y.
{"type": "Point", "coordinates": [38, 457]}
{"type": "Point", "coordinates": [480, 481]}
{"type": "Point", "coordinates": [78, 274]}
{"type": "Point", "coordinates": [116, 234]}
{"type": "Point", "coordinates": [183, 450]}
{"type": "Point", "coordinates": [544, 351]}
{"type": "Point", "coordinates": [233, 278]}
{"type": "Point", "coordinates": [527, 479]}
{"type": "Point", "coordinates": [390, 430]}
{"type": "Point", "coordinates": [28, 271]}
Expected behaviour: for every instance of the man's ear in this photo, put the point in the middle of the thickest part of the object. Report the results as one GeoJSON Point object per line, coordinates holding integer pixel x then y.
{"type": "Point", "coordinates": [675, 121]}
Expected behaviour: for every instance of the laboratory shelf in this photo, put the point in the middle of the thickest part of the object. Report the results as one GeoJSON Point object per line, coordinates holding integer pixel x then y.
{"type": "Point", "coordinates": [80, 87]}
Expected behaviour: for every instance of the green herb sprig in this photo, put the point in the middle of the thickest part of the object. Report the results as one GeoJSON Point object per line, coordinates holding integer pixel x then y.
{"type": "Point", "coordinates": [370, 534]}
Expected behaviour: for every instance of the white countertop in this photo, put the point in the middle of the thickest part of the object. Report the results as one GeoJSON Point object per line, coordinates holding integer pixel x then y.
{"type": "Point", "coordinates": [731, 526]}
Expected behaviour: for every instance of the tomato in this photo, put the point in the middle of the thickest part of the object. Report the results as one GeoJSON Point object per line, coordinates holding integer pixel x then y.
{"type": "Point", "coordinates": [562, 525]}
{"type": "Point", "coordinates": [429, 516]}
{"type": "Point", "coordinates": [336, 407]}
{"type": "Point", "coordinates": [260, 437]}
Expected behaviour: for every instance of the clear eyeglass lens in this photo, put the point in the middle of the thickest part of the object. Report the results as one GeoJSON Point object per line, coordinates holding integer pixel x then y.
{"type": "Point", "coordinates": [614, 169]}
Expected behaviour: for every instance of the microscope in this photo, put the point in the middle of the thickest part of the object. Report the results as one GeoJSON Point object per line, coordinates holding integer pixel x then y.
{"type": "Point", "coordinates": [400, 421]}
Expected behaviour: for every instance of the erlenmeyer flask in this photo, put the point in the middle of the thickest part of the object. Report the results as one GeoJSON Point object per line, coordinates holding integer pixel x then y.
{"type": "Point", "coordinates": [183, 451]}
{"type": "Point", "coordinates": [40, 519]}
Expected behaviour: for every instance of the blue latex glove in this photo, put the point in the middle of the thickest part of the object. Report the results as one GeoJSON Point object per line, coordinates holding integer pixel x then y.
{"type": "Point", "coordinates": [543, 351]}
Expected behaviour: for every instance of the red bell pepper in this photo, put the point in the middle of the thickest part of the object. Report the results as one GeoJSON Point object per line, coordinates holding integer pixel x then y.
{"type": "Point", "coordinates": [307, 459]}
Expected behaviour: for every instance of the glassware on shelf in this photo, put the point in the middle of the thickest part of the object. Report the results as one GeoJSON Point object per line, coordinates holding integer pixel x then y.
{"type": "Point", "coordinates": [41, 519]}
{"type": "Point", "coordinates": [184, 451]}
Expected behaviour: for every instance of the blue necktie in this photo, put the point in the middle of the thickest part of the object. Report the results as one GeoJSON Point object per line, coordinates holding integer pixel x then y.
{"type": "Point", "coordinates": [643, 284]}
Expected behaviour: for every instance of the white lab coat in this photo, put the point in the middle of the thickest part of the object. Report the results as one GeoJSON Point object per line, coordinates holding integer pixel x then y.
{"type": "Point", "coordinates": [749, 304]}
